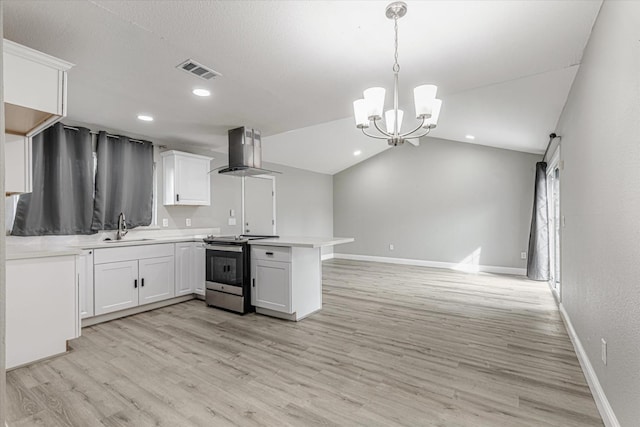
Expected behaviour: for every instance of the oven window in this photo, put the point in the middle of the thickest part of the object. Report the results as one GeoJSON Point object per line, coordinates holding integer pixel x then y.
{"type": "Point", "coordinates": [224, 267]}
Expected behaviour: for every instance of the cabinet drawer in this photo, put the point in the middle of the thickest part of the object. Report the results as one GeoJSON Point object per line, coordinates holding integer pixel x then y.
{"type": "Point", "coordinates": [271, 253]}
{"type": "Point", "coordinates": [126, 253]}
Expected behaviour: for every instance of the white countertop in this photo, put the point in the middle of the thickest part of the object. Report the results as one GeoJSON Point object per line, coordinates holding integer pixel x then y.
{"type": "Point", "coordinates": [302, 242]}
{"type": "Point", "coordinates": [42, 249]}
{"type": "Point", "coordinates": [15, 252]}
{"type": "Point", "coordinates": [52, 246]}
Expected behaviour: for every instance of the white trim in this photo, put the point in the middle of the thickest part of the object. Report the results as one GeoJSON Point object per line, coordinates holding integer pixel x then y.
{"type": "Point", "coordinates": [436, 264]}
{"type": "Point", "coordinates": [326, 256]}
{"type": "Point", "coordinates": [35, 56]}
{"type": "Point", "coordinates": [606, 411]}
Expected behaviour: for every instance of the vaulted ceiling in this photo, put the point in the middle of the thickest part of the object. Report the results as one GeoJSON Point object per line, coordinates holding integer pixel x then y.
{"type": "Point", "coordinates": [293, 68]}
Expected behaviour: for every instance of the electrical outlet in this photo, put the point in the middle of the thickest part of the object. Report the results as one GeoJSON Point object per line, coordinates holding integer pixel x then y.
{"type": "Point", "coordinates": [523, 255]}
{"type": "Point", "coordinates": [391, 247]}
{"type": "Point", "coordinates": [188, 222]}
{"type": "Point", "coordinates": [604, 351]}
{"type": "Point", "coordinates": [165, 222]}
{"type": "Point", "coordinates": [232, 221]}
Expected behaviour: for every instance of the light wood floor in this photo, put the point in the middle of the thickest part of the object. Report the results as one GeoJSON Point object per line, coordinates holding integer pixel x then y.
{"type": "Point", "coordinates": [394, 345]}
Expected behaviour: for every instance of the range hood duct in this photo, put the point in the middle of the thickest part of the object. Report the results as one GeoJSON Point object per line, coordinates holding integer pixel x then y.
{"type": "Point", "coordinates": [245, 153]}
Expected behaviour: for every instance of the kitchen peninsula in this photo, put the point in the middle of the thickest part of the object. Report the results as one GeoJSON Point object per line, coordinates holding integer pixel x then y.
{"type": "Point", "coordinates": [286, 275]}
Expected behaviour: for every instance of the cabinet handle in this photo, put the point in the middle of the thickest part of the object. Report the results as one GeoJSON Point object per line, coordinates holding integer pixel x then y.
{"type": "Point", "coordinates": [253, 282]}
{"type": "Point", "coordinates": [142, 282]}
{"type": "Point", "coordinates": [135, 283]}
{"type": "Point", "coordinates": [269, 253]}
{"type": "Point", "coordinates": [177, 197]}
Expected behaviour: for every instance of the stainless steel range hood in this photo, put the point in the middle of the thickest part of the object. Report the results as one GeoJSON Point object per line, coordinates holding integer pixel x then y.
{"type": "Point", "coordinates": [245, 153]}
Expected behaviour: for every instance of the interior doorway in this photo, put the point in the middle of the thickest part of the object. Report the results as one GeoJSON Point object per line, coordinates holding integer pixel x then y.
{"type": "Point", "coordinates": [554, 226]}
{"type": "Point", "coordinates": [259, 205]}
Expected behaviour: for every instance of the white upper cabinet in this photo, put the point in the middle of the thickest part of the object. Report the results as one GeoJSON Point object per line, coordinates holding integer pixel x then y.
{"type": "Point", "coordinates": [35, 89]}
{"type": "Point", "coordinates": [186, 178]}
{"type": "Point", "coordinates": [17, 172]}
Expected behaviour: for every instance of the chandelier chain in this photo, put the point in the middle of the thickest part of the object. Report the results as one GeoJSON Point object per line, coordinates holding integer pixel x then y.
{"type": "Point", "coordinates": [396, 66]}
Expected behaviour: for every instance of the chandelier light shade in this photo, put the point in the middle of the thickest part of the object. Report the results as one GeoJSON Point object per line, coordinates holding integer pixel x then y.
{"type": "Point", "coordinates": [369, 109]}
{"type": "Point", "coordinates": [374, 97]}
{"type": "Point", "coordinates": [361, 110]}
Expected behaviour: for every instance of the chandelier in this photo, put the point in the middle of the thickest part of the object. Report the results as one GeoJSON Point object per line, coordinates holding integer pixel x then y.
{"type": "Point", "coordinates": [369, 109]}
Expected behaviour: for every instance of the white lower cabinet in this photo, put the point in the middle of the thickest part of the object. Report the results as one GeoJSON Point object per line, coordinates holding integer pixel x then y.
{"type": "Point", "coordinates": [84, 265]}
{"type": "Point", "coordinates": [286, 282]}
{"type": "Point", "coordinates": [271, 285]}
{"type": "Point", "coordinates": [156, 279]}
{"type": "Point", "coordinates": [131, 276]}
{"type": "Point", "coordinates": [116, 286]}
{"type": "Point", "coordinates": [41, 313]}
{"type": "Point", "coordinates": [184, 269]}
{"type": "Point", "coordinates": [190, 268]}
{"type": "Point", "coordinates": [199, 268]}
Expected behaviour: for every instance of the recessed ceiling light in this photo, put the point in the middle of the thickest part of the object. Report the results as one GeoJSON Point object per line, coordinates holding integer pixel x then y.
{"type": "Point", "coordinates": [357, 153]}
{"type": "Point", "coordinates": [470, 137]}
{"type": "Point", "coordinates": [201, 92]}
{"type": "Point", "coordinates": [145, 118]}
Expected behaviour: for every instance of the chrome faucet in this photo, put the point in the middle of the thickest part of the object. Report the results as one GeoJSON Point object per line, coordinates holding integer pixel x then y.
{"type": "Point", "coordinates": [122, 227]}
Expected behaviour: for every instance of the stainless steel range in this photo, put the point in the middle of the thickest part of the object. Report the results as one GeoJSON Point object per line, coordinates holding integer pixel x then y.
{"type": "Point", "coordinates": [229, 272]}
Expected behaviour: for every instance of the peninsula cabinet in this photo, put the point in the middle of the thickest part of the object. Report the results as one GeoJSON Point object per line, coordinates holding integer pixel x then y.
{"type": "Point", "coordinates": [286, 282]}
{"type": "Point", "coordinates": [41, 313]}
{"type": "Point", "coordinates": [130, 276]}
{"type": "Point", "coordinates": [186, 178]}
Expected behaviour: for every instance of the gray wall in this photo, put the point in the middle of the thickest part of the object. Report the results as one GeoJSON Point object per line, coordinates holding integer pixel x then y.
{"type": "Point", "coordinates": [440, 201]}
{"type": "Point", "coordinates": [304, 202]}
{"type": "Point", "coordinates": [600, 199]}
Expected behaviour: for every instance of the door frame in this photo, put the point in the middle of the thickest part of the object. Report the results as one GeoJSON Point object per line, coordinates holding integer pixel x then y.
{"type": "Point", "coordinates": [555, 163]}
{"type": "Point", "coordinates": [273, 195]}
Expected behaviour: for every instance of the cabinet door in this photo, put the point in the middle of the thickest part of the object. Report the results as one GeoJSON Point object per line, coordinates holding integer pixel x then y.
{"type": "Point", "coordinates": [85, 284]}
{"type": "Point", "coordinates": [116, 286]}
{"type": "Point", "coordinates": [199, 268]}
{"type": "Point", "coordinates": [192, 181]}
{"type": "Point", "coordinates": [184, 269]}
{"type": "Point", "coordinates": [17, 162]}
{"type": "Point", "coordinates": [157, 280]}
{"type": "Point", "coordinates": [271, 285]}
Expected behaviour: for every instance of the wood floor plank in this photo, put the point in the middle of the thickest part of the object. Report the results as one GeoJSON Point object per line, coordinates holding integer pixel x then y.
{"type": "Point", "coordinates": [393, 345]}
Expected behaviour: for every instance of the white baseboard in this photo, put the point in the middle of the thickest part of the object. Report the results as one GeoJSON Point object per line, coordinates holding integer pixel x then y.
{"type": "Point", "coordinates": [606, 411]}
{"type": "Point", "coordinates": [436, 264]}
{"type": "Point", "coordinates": [327, 256]}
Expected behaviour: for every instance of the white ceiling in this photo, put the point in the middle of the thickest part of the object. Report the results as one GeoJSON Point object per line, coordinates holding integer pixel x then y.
{"type": "Point", "coordinates": [292, 69]}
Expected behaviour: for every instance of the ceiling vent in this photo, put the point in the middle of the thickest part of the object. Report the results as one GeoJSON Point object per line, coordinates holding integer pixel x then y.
{"type": "Point", "coordinates": [192, 67]}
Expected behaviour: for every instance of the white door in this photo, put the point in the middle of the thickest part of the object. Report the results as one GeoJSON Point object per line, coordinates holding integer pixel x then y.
{"type": "Point", "coordinates": [271, 286]}
{"type": "Point", "coordinates": [116, 286]}
{"type": "Point", "coordinates": [184, 269]}
{"type": "Point", "coordinates": [157, 280]}
{"type": "Point", "coordinates": [199, 268]}
{"type": "Point", "coordinates": [259, 205]}
{"type": "Point", "coordinates": [192, 181]}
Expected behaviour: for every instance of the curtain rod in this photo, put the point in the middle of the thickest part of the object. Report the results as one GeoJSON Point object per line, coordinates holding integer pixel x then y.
{"type": "Point", "coordinates": [114, 136]}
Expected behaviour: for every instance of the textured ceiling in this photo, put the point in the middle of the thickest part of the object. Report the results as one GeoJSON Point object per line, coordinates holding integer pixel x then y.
{"type": "Point", "coordinates": [504, 68]}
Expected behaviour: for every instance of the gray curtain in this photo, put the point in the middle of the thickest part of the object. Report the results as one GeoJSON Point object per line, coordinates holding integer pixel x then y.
{"type": "Point", "coordinates": [538, 260]}
{"type": "Point", "coordinates": [124, 182]}
{"type": "Point", "coordinates": [62, 197]}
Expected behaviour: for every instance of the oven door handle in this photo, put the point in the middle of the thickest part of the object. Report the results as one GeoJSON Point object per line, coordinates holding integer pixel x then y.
{"type": "Point", "coordinates": [222, 248]}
